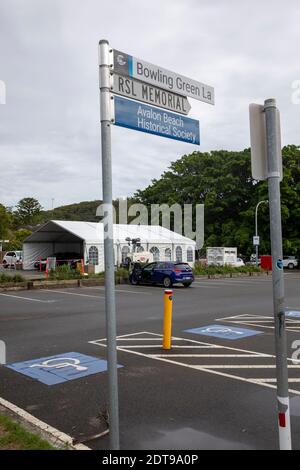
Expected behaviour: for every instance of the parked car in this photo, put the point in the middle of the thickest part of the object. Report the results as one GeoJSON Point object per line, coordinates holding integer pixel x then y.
{"type": "Point", "coordinates": [238, 263]}
{"type": "Point", "coordinates": [12, 258]}
{"type": "Point", "coordinates": [290, 262]}
{"type": "Point", "coordinates": [61, 258]}
{"type": "Point", "coordinates": [165, 273]}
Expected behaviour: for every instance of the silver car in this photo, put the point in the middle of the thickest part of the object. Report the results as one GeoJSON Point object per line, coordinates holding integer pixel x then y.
{"type": "Point", "coordinates": [12, 258]}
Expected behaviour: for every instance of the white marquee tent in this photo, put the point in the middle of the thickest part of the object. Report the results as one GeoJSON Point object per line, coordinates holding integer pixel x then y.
{"type": "Point", "coordinates": [87, 240]}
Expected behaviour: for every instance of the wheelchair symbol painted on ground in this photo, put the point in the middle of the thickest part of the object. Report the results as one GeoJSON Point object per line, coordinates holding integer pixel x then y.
{"type": "Point", "coordinates": [61, 363]}
{"type": "Point", "coordinates": [61, 368]}
{"type": "Point", "coordinates": [216, 329]}
{"type": "Point", "coordinates": [223, 331]}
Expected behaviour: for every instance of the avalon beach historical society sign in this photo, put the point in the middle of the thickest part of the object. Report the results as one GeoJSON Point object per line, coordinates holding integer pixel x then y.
{"type": "Point", "coordinates": [144, 118]}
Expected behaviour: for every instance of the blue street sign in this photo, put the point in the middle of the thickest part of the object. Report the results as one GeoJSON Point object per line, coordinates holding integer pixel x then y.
{"type": "Point", "coordinates": [60, 368]}
{"type": "Point", "coordinates": [152, 120]}
{"type": "Point", "coordinates": [224, 331]}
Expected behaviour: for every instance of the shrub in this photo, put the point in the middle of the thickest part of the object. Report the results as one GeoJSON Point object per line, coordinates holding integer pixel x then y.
{"type": "Point", "coordinates": [11, 279]}
{"type": "Point", "coordinates": [122, 273]}
{"type": "Point", "coordinates": [211, 270]}
{"type": "Point", "coordinates": [63, 273]}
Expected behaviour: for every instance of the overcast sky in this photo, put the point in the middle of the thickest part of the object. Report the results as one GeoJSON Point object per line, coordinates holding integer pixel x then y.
{"type": "Point", "coordinates": [50, 128]}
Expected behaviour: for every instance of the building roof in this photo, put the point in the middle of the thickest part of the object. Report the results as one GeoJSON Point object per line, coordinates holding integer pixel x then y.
{"type": "Point", "coordinates": [91, 232]}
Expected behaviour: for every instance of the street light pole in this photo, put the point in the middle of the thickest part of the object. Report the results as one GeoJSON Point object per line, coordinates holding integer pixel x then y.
{"type": "Point", "coordinates": [256, 226]}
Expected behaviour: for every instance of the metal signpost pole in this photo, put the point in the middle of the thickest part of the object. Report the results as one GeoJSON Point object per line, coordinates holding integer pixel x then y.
{"type": "Point", "coordinates": [256, 234]}
{"type": "Point", "coordinates": [256, 227]}
{"type": "Point", "coordinates": [274, 175]}
{"type": "Point", "coordinates": [110, 304]}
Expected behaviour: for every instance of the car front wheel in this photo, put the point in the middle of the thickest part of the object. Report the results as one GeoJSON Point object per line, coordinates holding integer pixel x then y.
{"type": "Point", "coordinates": [167, 282]}
{"type": "Point", "coordinates": [187, 284]}
{"type": "Point", "coordinates": [134, 281]}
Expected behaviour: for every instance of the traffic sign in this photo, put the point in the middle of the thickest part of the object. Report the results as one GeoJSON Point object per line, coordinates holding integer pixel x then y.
{"type": "Point", "coordinates": [256, 241]}
{"type": "Point", "coordinates": [130, 66]}
{"type": "Point", "coordinates": [258, 135]}
{"type": "Point", "coordinates": [150, 94]}
{"type": "Point", "coordinates": [144, 118]}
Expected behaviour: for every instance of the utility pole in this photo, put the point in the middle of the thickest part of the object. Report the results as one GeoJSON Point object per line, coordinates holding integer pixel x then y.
{"type": "Point", "coordinates": [274, 175]}
{"type": "Point", "coordinates": [110, 301]}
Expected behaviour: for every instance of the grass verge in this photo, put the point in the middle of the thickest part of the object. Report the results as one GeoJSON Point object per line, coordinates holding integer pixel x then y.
{"type": "Point", "coordinates": [14, 437]}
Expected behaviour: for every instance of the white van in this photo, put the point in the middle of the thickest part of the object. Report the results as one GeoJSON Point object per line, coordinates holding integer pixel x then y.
{"type": "Point", "coordinates": [12, 258]}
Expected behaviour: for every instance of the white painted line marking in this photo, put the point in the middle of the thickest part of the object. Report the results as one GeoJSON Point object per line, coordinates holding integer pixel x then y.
{"type": "Point", "coordinates": [260, 321]}
{"type": "Point", "coordinates": [275, 380]}
{"type": "Point", "coordinates": [209, 355]}
{"type": "Point", "coordinates": [211, 369]}
{"type": "Point", "coordinates": [29, 299]}
{"type": "Point", "coordinates": [242, 366]}
{"type": "Point", "coordinates": [73, 293]}
{"type": "Point", "coordinates": [57, 435]}
{"type": "Point", "coordinates": [123, 291]}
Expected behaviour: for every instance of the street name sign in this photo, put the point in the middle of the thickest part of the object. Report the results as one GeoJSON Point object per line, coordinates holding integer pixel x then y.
{"type": "Point", "coordinates": [144, 118]}
{"type": "Point", "coordinates": [150, 94]}
{"type": "Point", "coordinates": [130, 66]}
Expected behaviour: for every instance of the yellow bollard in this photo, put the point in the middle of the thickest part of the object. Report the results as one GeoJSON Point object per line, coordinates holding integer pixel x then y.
{"type": "Point", "coordinates": [167, 329]}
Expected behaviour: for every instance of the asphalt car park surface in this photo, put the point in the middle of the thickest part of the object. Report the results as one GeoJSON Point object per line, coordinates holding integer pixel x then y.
{"type": "Point", "coordinates": [206, 393]}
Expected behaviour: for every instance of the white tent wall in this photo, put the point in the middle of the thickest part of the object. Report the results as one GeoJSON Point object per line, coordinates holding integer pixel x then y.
{"type": "Point", "coordinates": [99, 268]}
{"type": "Point", "coordinates": [32, 252]}
{"type": "Point", "coordinates": [86, 239]}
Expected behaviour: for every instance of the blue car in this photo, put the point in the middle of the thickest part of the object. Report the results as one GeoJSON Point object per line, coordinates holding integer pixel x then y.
{"type": "Point", "coordinates": [165, 273]}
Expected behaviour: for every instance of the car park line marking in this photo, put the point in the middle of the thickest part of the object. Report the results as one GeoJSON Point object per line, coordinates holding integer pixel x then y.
{"type": "Point", "coordinates": [262, 321]}
{"type": "Point", "coordinates": [74, 293]}
{"type": "Point", "coordinates": [208, 355]}
{"type": "Point", "coordinates": [274, 380]}
{"type": "Point", "coordinates": [221, 370]}
{"type": "Point", "coordinates": [29, 298]}
{"type": "Point", "coordinates": [56, 436]}
{"type": "Point", "coordinates": [125, 291]}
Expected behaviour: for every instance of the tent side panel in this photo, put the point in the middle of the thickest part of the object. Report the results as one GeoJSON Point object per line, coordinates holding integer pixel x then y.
{"type": "Point", "coordinates": [32, 252]}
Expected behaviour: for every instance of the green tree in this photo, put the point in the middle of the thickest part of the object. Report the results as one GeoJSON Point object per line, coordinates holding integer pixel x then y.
{"type": "Point", "coordinates": [222, 181]}
{"type": "Point", "coordinates": [5, 222]}
{"type": "Point", "coordinates": [27, 212]}
{"type": "Point", "coordinates": [18, 237]}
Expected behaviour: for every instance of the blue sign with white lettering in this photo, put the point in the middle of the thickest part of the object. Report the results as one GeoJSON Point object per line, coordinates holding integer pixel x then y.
{"type": "Point", "coordinates": [293, 313]}
{"type": "Point", "coordinates": [224, 331]}
{"type": "Point", "coordinates": [61, 368]}
{"type": "Point", "coordinates": [141, 117]}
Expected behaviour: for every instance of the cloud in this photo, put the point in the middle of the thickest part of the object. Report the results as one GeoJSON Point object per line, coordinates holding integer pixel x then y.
{"type": "Point", "coordinates": [50, 125]}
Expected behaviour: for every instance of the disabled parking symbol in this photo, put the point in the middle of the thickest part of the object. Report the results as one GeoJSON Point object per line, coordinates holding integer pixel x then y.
{"type": "Point", "coordinates": [60, 368]}
{"type": "Point", "coordinates": [224, 331]}
{"type": "Point", "coordinates": [61, 363]}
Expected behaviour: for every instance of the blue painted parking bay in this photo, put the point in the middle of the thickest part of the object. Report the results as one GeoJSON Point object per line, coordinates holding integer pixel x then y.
{"type": "Point", "coordinates": [61, 368]}
{"type": "Point", "coordinates": [224, 332]}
